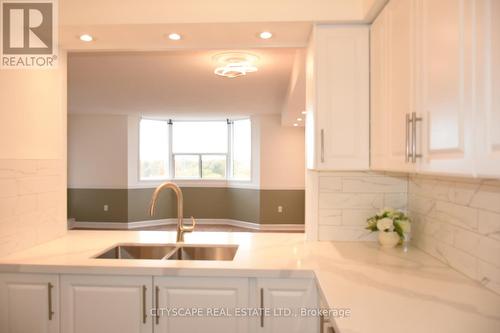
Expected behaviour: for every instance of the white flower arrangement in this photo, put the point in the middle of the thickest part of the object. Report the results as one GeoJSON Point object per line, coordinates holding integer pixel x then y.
{"type": "Point", "coordinates": [390, 220]}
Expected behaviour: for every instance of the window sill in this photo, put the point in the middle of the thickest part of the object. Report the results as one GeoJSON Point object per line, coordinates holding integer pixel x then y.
{"type": "Point", "coordinates": [198, 183]}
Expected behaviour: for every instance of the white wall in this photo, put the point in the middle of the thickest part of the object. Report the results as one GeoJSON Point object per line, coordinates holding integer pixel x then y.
{"type": "Point", "coordinates": [282, 155]}
{"type": "Point", "coordinates": [32, 156]}
{"type": "Point", "coordinates": [97, 151]}
{"type": "Point", "coordinates": [103, 152]}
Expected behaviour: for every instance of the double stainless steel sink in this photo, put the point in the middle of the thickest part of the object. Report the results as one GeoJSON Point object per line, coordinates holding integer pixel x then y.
{"type": "Point", "coordinates": [170, 252]}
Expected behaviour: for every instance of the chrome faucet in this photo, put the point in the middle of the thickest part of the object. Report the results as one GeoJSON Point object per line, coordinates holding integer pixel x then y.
{"type": "Point", "coordinates": [181, 228]}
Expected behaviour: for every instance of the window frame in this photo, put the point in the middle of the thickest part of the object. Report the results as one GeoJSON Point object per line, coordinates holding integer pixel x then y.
{"type": "Point", "coordinates": [229, 177]}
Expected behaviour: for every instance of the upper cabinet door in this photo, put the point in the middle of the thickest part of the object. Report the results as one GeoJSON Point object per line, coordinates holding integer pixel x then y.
{"type": "Point", "coordinates": [400, 104]}
{"type": "Point", "coordinates": [338, 74]}
{"type": "Point", "coordinates": [378, 95]}
{"type": "Point", "coordinates": [446, 86]}
{"type": "Point", "coordinates": [29, 303]}
{"type": "Point", "coordinates": [392, 86]}
{"type": "Point", "coordinates": [488, 88]}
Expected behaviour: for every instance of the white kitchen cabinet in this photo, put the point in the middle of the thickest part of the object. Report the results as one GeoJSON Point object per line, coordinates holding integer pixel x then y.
{"type": "Point", "coordinates": [446, 84]}
{"type": "Point", "coordinates": [393, 91]}
{"type": "Point", "coordinates": [337, 98]}
{"type": "Point", "coordinates": [488, 88]}
{"type": "Point", "coordinates": [378, 94]}
{"type": "Point", "coordinates": [29, 303]}
{"type": "Point", "coordinates": [106, 304]}
{"type": "Point", "coordinates": [433, 71]}
{"type": "Point", "coordinates": [400, 83]}
{"type": "Point", "coordinates": [279, 295]}
{"type": "Point", "coordinates": [207, 294]}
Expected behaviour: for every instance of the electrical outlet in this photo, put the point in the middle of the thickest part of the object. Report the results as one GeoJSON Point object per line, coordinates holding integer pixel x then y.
{"type": "Point", "coordinates": [106, 208]}
{"type": "Point", "coordinates": [280, 209]}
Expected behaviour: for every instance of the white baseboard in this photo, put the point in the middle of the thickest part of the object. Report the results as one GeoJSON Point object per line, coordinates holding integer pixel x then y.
{"type": "Point", "coordinates": [153, 223]}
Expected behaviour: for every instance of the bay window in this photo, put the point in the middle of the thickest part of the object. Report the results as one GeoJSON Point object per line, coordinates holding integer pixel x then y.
{"type": "Point", "coordinates": [206, 150]}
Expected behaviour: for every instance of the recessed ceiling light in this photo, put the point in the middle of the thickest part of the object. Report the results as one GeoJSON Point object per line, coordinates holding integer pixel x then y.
{"type": "Point", "coordinates": [304, 112]}
{"type": "Point", "coordinates": [299, 119]}
{"type": "Point", "coordinates": [86, 38]}
{"type": "Point", "coordinates": [265, 35]}
{"type": "Point", "coordinates": [174, 36]}
{"type": "Point", "coordinates": [295, 125]}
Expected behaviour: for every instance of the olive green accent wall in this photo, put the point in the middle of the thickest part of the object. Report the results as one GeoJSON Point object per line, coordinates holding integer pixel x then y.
{"type": "Point", "coordinates": [130, 205]}
{"type": "Point", "coordinates": [88, 205]}
{"type": "Point", "coordinates": [292, 201]}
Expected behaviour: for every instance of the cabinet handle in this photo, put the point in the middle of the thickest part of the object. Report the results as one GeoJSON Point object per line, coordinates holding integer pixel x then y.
{"type": "Point", "coordinates": [414, 120]}
{"type": "Point", "coordinates": [321, 323]}
{"type": "Point", "coordinates": [51, 313]}
{"type": "Point", "coordinates": [407, 146]}
{"type": "Point", "coordinates": [261, 307]}
{"type": "Point", "coordinates": [322, 145]}
{"type": "Point", "coordinates": [157, 302]}
{"type": "Point", "coordinates": [144, 314]}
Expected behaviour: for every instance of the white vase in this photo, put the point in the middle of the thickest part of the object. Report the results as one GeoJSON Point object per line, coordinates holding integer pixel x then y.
{"type": "Point", "coordinates": [388, 239]}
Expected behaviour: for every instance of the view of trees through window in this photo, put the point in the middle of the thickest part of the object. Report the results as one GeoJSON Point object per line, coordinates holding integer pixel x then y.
{"type": "Point", "coordinates": [196, 149]}
{"type": "Point", "coordinates": [153, 149]}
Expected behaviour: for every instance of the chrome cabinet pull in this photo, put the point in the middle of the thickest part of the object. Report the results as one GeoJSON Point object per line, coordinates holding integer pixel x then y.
{"type": "Point", "coordinates": [407, 133]}
{"type": "Point", "coordinates": [414, 120]}
{"type": "Point", "coordinates": [51, 313]}
{"type": "Point", "coordinates": [157, 302]}
{"type": "Point", "coordinates": [261, 307]}
{"type": "Point", "coordinates": [144, 314]}
{"type": "Point", "coordinates": [322, 144]}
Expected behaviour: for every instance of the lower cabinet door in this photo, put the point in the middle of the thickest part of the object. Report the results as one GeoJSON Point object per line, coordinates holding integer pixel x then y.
{"type": "Point", "coordinates": [200, 305]}
{"type": "Point", "coordinates": [29, 303]}
{"type": "Point", "coordinates": [284, 301]}
{"type": "Point", "coordinates": [106, 304]}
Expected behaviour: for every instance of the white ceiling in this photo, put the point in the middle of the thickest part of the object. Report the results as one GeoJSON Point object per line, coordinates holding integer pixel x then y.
{"type": "Point", "coordinates": [153, 37]}
{"type": "Point", "coordinates": [176, 84]}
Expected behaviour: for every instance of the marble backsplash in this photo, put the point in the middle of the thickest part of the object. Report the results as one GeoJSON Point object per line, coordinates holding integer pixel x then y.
{"type": "Point", "coordinates": [32, 203]}
{"type": "Point", "coordinates": [347, 199]}
{"type": "Point", "coordinates": [457, 220]}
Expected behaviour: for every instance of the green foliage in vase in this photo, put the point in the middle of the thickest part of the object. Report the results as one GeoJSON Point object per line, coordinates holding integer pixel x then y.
{"type": "Point", "coordinates": [390, 220]}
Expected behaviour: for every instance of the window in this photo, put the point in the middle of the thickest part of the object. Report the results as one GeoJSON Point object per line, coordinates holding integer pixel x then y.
{"type": "Point", "coordinates": [153, 148]}
{"type": "Point", "coordinates": [200, 149]}
{"type": "Point", "coordinates": [196, 150]}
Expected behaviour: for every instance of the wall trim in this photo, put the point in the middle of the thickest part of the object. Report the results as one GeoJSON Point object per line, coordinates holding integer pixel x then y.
{"type": "Point", "coordinates": [153, 223]}
{"type": "Point", "coordinates": [182, 184]}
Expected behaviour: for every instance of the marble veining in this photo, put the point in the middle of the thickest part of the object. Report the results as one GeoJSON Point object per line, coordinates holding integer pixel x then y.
{"type": "Point", "coordinates": [32, 202]}
{"type": "Point", "coordinates": [458, 221]}
{"type": "Point", "coordinates": [347, 199]}
{"type": "Point", "coordinates": [424, 294]}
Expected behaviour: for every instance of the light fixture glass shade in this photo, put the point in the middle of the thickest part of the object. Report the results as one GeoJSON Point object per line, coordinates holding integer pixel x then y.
{"type": "Point", "coordinates": [234, 64]}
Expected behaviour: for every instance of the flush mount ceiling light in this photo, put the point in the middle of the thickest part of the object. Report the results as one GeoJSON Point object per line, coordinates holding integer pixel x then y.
{"type": "Point", "coordinates": [174, 36]}
{"type": "Point", "coordinates": [265, 35]}
{"type": "Point", "coordinates": [234, 64]}
{"type": "Point", "coordinates": [86, 38]}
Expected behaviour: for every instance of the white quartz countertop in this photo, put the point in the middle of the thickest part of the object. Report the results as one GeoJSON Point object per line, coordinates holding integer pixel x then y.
{"type": "Point", "coordinates": [386, 290]}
